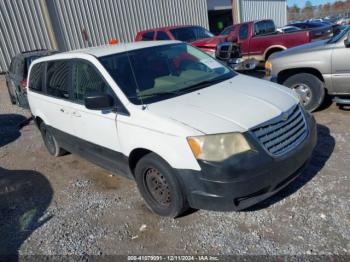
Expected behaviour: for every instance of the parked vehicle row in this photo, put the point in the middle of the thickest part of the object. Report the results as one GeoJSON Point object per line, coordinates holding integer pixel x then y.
{"type": "Point", "coordinates": [190, 131]}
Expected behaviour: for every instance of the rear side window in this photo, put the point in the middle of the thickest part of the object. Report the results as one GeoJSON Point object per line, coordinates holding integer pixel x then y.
{"type": "Point", "coordinates": [243, 32]}
{"type": "Point", "coordinates": [36, 77]}
{"type": "Point", "coordinates": [264, 27]}
{"type": "Point", "coordinates": [162, 36]}
{"type": "Point", "coordinates": [148, 36]}
{"type": "Point", "coordinates": [58, 79]}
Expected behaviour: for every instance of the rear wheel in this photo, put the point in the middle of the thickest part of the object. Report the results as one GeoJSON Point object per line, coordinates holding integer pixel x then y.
{"type": "Point", "coordinates": [310, 89]}
{"type": "Point", "coordinates": [159, 186]}
{"type": "Point", "coordinates": [50, 141]}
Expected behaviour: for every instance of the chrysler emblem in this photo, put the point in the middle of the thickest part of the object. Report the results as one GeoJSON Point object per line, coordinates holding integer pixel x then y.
{"type": "Point", "coordinates": [285, 117]}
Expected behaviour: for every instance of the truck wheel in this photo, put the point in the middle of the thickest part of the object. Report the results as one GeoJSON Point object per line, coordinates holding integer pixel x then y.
{"type": "Point", "coordinates": [159, 186]}
{"type": "Point", "coordinates": [310, 89]}
{"type": "Point", "coordinates": [50, 141]}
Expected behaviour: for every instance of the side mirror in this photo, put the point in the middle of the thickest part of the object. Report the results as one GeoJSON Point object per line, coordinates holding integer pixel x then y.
{"type": "Point", "coordinates": [99, 102]}
{"type": "Point", "coordinates": [347, 41]}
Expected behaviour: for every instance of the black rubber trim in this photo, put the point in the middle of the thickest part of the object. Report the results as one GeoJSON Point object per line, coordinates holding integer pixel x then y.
{"type": "Point", "coordinates": [106, 158]}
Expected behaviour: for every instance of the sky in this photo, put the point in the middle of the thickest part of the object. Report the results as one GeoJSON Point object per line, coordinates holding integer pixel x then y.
{"type": "Point", "coordinates": [301, 3]}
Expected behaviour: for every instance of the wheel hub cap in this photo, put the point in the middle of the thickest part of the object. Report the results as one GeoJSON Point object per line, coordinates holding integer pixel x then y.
{"type": "Point", "coordinates": [158, 186]}
{"type": "Point", "coordinates": [304, 93]}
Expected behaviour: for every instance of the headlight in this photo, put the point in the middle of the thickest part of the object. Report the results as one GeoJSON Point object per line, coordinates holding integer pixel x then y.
{"type": "Point", "coordinates": [268, 68]}
{"type": "Point", "coordinates": [218, 147]}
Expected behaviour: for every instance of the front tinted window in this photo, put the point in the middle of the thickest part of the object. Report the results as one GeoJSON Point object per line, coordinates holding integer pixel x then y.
{"type": "Point", "coordinates": [36, 77]}
{"type": "Point", "coordinates": [243, 32]}
{"type": "Point", "coordinates": [87, 81]}
{"type": "Point", "coordinates": [153, 74]}
{"type": "Point", "coordinates": [162, 36]}
{"type": "Point", "coordinates": [190, 34]}
{"type": "Point", "coordinates": [58, 79]}
{"type": "Point", "coordinates": [148, 36]}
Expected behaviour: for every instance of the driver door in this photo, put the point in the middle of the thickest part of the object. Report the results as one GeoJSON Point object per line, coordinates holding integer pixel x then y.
{"type": "Point", "coordinates": [96, 130]}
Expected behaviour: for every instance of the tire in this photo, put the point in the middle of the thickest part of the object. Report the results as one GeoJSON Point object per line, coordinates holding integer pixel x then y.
{"type": "Point", "coordinates": [153, 172]}
{"type": "Point", "coordinates": [12, 98]}
{"type": "Point", "coordinates": [310, 89]}
{"type": "Point", "coordinates": [50, 141]}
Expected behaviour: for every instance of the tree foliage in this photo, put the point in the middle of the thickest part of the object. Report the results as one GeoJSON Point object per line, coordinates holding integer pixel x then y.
{"type": "Point", "coordinates": [311, 11]}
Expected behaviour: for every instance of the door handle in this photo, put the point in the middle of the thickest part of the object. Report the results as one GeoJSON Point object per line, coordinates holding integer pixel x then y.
{"type": "Point", "coordinates": [62, 110]}
{"type": "Point", "coordinates": [76, 114]}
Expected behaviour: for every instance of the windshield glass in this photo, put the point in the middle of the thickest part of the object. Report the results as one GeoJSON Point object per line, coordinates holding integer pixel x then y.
{"type": "Point", "coordinates": [190, 34]}
{"type": "Point", "coordinates": [339, 36]}
{"type": "Point", "coordinates": [153, 74]}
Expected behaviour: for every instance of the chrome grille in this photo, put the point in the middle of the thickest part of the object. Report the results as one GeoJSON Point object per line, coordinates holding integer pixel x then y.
{"type": "Point", "coordinates": [282, 134]}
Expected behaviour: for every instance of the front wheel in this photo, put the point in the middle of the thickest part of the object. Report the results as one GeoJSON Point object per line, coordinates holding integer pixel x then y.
{"type": "Point", "coordinates": [309, 88]}
{"type": "Point", "coordinates": [159, 186]}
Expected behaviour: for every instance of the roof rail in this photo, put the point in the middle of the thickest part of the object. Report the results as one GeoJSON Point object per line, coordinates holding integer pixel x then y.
{"type": "Point", "coordinates": [35, 50]}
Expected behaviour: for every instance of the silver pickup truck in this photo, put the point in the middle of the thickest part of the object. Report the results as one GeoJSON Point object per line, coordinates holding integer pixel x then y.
{"type": "Point", "coordinates": [315, 70]}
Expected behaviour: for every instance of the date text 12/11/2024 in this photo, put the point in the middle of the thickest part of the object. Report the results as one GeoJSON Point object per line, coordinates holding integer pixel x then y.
{"type": "Point", "coordinates": [173, 258]}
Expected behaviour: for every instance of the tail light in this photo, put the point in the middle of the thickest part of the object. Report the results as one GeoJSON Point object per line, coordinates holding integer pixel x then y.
{"type": "Point", "coordinates": [349, 22]}
{"type": "Point", "coordinates": [23, 84]}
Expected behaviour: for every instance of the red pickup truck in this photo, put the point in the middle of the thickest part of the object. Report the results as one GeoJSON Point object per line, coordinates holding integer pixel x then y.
{"type": "Point", "coordinates": [259, 39]}
{"type": "Point", "coordinates": [185, 33]}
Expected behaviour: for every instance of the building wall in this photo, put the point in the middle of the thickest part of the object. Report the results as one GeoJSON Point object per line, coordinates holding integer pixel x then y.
{"type": "Point", "coordinates": [22, 27]}
{"type": "Point", "coordinates": [264, 9]}
{"type": "Point", "coordinates": [120, 19]}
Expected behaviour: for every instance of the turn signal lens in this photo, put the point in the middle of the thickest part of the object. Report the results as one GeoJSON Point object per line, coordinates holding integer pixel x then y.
{"type": "Point", "coordinates": [268, 68]}
{"type": "Point", "coordinates": [195, 146]}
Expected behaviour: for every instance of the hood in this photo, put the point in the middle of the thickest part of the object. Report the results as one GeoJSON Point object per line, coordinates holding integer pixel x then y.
{"type": "Point", "coordinates": [234, 105]}
{"type": "Point", "coordinates": [209, 42]}
{"type": "Point", "coordinates": [313, 46]}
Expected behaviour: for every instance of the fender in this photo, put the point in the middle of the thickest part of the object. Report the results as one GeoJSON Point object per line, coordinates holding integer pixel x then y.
{"type": "Point", "coordinates": [274, 47]}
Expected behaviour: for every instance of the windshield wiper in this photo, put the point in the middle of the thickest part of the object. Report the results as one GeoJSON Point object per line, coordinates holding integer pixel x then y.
{"type": "Point", "coordinates": [206, 83]}
{"type": "Point", "coordinates": [158, 94]}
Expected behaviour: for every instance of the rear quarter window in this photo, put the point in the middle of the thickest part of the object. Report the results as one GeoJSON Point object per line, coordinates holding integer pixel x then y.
{"type": "Point", "coordinates": [36, 77]}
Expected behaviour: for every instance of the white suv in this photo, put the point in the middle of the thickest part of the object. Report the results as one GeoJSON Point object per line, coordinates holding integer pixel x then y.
{"type": "Point", "coordinates": [190, 131]}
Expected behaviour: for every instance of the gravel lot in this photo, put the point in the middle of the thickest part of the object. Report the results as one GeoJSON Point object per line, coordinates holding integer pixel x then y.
{"type": "Point", "coordinates": [69, 206]}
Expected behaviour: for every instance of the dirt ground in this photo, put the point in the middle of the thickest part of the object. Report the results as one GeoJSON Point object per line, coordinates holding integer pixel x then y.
{"type": "Point", "coordinates": [68, 206]}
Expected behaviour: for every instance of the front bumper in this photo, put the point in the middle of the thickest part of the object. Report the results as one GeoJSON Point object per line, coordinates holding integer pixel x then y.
{"type": "Point", "coordinates": [244, 180]}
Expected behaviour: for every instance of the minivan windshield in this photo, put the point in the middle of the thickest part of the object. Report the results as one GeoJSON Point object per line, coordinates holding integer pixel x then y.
{"type": "Point", "coordinates": [153, 74]}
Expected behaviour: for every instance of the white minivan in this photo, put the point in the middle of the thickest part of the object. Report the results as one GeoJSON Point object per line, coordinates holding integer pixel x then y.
{"type": "Point", "coordinates": [189, 130]}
